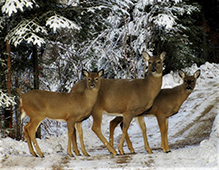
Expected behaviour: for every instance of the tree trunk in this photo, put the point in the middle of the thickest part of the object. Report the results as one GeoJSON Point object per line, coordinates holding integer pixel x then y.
{"type": "Point", "coordinates": [18, 117]}
{"type": "Point", "coordinates": [36, 80]}
{"type": "Point", "coordinates": [8, 111]}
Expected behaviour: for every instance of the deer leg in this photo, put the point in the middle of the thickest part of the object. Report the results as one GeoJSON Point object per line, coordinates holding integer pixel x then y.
{"type": "Point", "coordinates": [80, 134]}
{"type": "Point", "coordinates": [70, 125]}
{"type": "Point", "coordinates": [162, 126]}
{"type": "Point", "coordinates": [74, 142]}
{"type": "Point", "coordinates": [142, 125]}
{"type": "Point", "coordinates": [30, 146]}
{"type": "Point", "coordinates": [97, 119]}
{"type": "Point", "coordinates": [126, 123]}
{"type": "Point", "coordinates": [166, 137]}
{"type": "Point", "coordinates": [129, 143]}
{"type": "Point", "coordinates": [31, 132]}
{"type": "Point", "coordinates": [113, 124]}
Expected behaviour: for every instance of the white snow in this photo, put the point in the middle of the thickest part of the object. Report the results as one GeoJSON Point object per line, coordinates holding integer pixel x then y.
{"type": "Point", "coordinates": [26, 31]}
{"type": "Point", "coordinates": [56, 22]}
{"type": "Point", "coordinates": [6, 100]}
{"type": "Point", "coordinates": [165, 20]}
{"type": "Point", "coordinates": [11, 6]}
{"type": "Point", "coordinates": [193, 137]}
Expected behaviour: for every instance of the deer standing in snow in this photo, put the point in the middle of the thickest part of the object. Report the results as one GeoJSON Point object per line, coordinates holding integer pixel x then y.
{"type": "Point", "coordinates": [166, 104]}
{"type": "Point", "coordinates": [125, 97]}
{"type": "Point", "coordinates": [71, 107]}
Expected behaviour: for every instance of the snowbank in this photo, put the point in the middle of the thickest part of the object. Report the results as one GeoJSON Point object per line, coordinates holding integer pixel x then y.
{"type": "Point", "coordinates": [193, 137]}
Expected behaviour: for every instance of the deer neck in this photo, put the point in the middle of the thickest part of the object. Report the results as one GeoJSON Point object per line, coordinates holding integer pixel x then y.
{"type": "Point", "coordinates": [155, 82]}
{"type": "Point", "coordinates": [182, 93]}
{"type": "Point", "coordinates": [90, 95]}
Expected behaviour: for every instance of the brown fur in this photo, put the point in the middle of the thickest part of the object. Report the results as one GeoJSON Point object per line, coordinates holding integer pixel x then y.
{"type": "Point", "coordinates": [70, 107]}
{"type": "Point", "coordinates": [128, 98]}
{"type": "Point", "coordinates": [166, 104]}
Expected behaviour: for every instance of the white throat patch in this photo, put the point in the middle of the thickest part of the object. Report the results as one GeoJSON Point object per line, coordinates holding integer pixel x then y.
{"type": "Point", "coordinates": [155, 74]}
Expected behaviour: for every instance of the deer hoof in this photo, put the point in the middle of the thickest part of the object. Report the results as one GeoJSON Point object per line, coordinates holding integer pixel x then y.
{"type": "Point", "coordinates": [149, 151]}
{"type": "Point", "coordinates": [70, 154]}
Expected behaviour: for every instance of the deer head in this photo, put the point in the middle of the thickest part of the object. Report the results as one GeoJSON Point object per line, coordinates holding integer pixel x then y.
{"type": "Point", "coordinates": [189, 81]}
{"type": "Point", "coordinates": [155, 63]}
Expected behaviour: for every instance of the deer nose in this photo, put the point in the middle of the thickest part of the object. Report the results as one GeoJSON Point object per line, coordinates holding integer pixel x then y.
{"type": "Point", "coordinates": [188, 88]}
{"type": "Point", "coordinates": [153, 69]}
{"type": "Point", "coordinates": [92, 85]}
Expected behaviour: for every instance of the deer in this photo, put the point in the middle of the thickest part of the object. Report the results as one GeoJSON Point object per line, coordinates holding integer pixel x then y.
{"type": "Point", "coordinates": [166, 104]}
{"type": "Point", "coordinates": [125, 97]}
{"type": "Point", "coordinates": [71, 107]}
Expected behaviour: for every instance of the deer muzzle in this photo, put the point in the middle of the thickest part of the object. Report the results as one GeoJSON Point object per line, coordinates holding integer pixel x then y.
{"type": "Point", "coordinates": [92, 86]}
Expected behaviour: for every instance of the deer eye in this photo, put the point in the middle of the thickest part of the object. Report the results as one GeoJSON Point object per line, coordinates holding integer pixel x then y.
{"type": "Point", "coordinates": [89, 79]}
{"type": "Point", "coordinates": [158, 62]}
{"type": "Point", "coordinates": [149, 62]}
{"type": "Point", "coordinates": [96, 79]}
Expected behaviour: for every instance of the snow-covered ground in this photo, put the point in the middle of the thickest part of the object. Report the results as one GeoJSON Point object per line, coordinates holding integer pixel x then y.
{"type": "Point", "coordinates": [193, 137]}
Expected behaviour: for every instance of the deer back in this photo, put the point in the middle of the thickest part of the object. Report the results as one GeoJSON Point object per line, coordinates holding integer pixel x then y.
{"type": "Point", "coordinates": [55, 105]}
{"type": "Point", "coordinates": [137, 95]}
{"type": "Point", "coordinates": [170, 100]}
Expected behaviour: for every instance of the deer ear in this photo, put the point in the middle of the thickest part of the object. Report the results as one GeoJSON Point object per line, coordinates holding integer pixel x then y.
{"type": "Point", "coordinates": [145, 55]}
{"type": "Point", "coordinates": [163, 55]}
{"type": "Point", "coordinates": [85, 72]}
{"type": "Point", "coordinates": [182, 74]}
{"type": "Point", "coordinates": [197, 74]}
{"type": "Point", "coordinates": [100, 73]}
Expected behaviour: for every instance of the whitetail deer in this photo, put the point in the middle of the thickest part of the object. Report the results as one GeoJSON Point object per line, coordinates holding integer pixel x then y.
{"type": "Point", "coordinates": [70, 107]}
{"type": "Point", "coordinates": [166, 104]}
{"type": "Point", "coordinates": [128, 98]}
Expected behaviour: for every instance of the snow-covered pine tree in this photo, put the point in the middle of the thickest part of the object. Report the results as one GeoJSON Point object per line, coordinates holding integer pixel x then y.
{"type": "Point", "coordinates": [106, 34]}
{"type": "Point", "coordinates": [31, 23]}
{"type": "Point", "coordinates": [129, 27]}
{"type": "Point", "coordinates": [5, 99]}
{"type": "Point", "coordinates": [26, 24]}
{"type": "Point", "coordinates": [150, 25]}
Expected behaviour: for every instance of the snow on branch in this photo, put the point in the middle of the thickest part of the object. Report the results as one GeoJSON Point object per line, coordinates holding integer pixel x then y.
{"type": "Point", "coordinates": [6, 100]}
{"type": "Point", "coordinates": [26, 31]}
{"type": "Point", "coordinates": [70, 2]}
{"type": "Point", "coordinates": [93, 9]}
{"type": "Point", "coordinates": [11, 6]}
{"type": "Point", "coordinates": [56, 22]}
{"type": "Point", "coordinates": [165, 20]}
{"type": "Point", "coordinates": [2, 20]}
